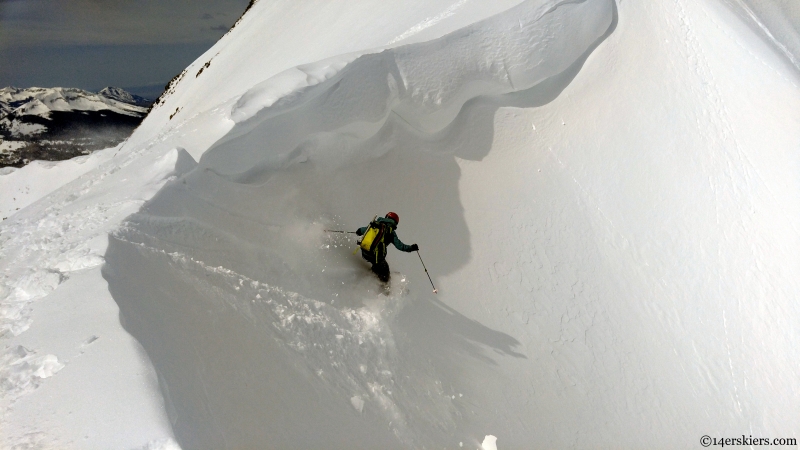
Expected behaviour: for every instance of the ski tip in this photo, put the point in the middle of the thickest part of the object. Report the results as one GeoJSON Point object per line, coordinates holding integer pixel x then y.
{"type": "Point", "coordinates": [435, 291]}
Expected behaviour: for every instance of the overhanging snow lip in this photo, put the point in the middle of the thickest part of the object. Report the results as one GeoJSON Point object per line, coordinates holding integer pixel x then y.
{"type": "Point", "coordinates": [402, 100]}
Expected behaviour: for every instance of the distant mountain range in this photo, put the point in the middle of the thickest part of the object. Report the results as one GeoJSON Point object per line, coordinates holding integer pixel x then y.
{"type": "Point", "coordinates": [60, 123]}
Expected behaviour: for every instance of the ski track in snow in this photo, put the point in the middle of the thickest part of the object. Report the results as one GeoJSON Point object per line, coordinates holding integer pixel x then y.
{"type": "Point", "coordinates": [348, 348]}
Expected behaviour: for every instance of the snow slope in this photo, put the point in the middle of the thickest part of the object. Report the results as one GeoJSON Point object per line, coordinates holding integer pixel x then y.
{"type": "Point", "coordinates": [71, 375]}
{"type": "Point", "coordinates": [605, 195]}
{"type": "Point", "coordinates": [24, 186]}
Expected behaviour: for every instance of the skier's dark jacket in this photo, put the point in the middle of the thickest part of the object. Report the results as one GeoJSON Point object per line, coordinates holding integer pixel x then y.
{"type": "Point", "coordinates": [380, 251]}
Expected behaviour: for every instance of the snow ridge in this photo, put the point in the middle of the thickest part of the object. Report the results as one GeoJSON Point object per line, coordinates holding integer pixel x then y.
{"type": "Point", "coordinates": [429, 22]}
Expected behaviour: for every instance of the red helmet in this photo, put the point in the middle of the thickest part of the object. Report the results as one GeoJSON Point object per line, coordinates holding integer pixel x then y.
{"type": "Point", "coordinates": [394, 217]}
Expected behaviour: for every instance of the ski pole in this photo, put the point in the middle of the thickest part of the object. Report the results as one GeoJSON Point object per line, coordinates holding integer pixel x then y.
{"type": "Point", "coordinates": [435, 291]}
{"type": "Point", "coordinates": [339, 231]}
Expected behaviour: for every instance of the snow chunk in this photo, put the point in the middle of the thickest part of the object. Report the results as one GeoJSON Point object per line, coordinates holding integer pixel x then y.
{"type": "Point", "coordinates": [489, 443]}
{"type": "Point", "coordinates": [37, 284]}
{"type": "Point", "coordinates": [79, 263]}
{"type": "Point", "coordinates": [21, 371]}
{"type": "Point", "coordinates": [15, 300]}
{"type": "Point", "coordinates": [162, 444]}
{"type": "Point", "coordinates": [357, 402]}
{"type": "Point", "coordinates": [175, 162]}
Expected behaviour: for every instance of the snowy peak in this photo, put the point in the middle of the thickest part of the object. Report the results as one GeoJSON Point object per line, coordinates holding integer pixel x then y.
{"type": "Point", "coordinates": [60, 123]}
{"type": "Point", "coordinates": [37, 101]}
{"type": "Point", "coordinates": [121, 95]}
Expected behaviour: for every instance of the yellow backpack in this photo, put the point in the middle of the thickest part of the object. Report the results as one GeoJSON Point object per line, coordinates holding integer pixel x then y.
{"type": "Point", "coordinates": [373, 236]}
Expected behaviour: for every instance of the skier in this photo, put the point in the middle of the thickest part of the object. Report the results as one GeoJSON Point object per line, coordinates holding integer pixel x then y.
{"type": "Point", "coordinates": [379, 233]}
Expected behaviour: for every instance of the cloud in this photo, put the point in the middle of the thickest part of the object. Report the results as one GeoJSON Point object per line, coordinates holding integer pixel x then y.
{"type": "Point", "coordinates": [208, 16]}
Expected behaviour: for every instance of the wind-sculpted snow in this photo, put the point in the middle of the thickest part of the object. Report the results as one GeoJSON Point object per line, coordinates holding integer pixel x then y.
{"type": "Point", "coordinates": [342, 102]}
{"type": "Point", "coordinates": [258, 323]}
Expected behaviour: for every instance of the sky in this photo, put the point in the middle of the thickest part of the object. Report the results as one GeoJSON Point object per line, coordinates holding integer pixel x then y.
{"type": "Point", "coordinates": [138, 45]}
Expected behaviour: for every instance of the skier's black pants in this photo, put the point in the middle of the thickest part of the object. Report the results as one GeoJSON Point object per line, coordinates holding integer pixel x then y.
{"type": "Point", "coordinates": [380, 268]}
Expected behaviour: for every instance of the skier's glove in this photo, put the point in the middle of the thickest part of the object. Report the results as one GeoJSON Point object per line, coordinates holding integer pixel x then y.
{"type": "Point", "coordinates": [414, 247]}
{"type": "Point", "coordinates": [358, 232]}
